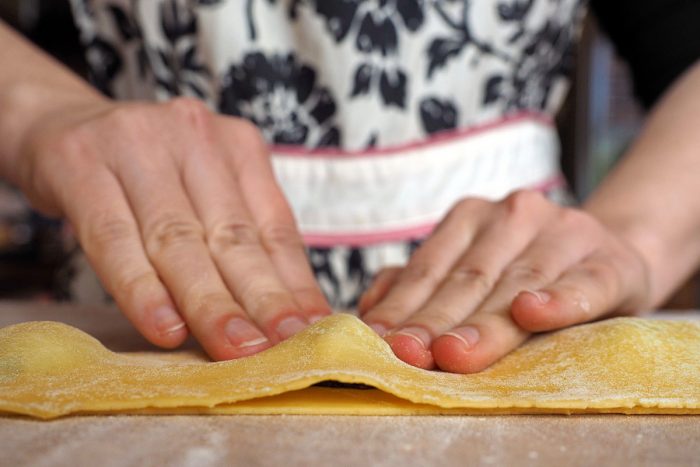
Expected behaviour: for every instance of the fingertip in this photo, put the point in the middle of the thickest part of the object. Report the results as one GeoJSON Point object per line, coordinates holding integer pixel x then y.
{"type": "Point", "coordinates": [173, 338]}
{"type": "Point", "coordinates": [147, 304]}
{"type": "Point", "coordinates": [285, 325]}
{"type": "Point", "coordinates": [455, 352]}
{"type": "Point", "coordinates": [166, 328]}
{"type": "Point", "coordinates": [535, 311]}
{"type": "Point", "coordinates": [450, 355]}
{"type": "Point", "coordinates": [411, 350]}
{"type": "Point", "coordinates": [234, 337]}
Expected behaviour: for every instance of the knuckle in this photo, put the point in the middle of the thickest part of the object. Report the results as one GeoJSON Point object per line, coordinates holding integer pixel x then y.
{"type": "Point", "coordinates": [194, 115]}
{"type": "Point", "coordinates": [281, 236]}
{"type": "Point", "coordinates": [227, 235]}
{"type": "Point", "coordinates": [528, 273]}
{"type": "Point", "coordinates": [128, 118]}
{"type": "Point", "coordinates": [105, 231]}
{"type": "Point", "coordinates": [170, 229]}
{"type": "Point", "coordinates": [420, 273]}
{"type": "Point", "coordinates": [468, 206]}
{"type": "Point", "coordinates": [473, 277]}
{"type": "Point", "coordinates": [523, 201]}
{"type": "Point", "coordinates": [129, 284]}
{"type": "Point", "coordinates": [128, 125]}
{"type": "Point", "coordinates": [193, 111]}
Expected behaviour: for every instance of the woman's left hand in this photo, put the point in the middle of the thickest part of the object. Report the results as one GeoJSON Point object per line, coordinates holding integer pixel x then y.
{"type": "Point", "coordinates": [492, 273]}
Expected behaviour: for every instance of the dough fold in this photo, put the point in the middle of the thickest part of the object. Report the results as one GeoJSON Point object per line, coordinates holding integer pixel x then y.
{"type": "Point", "coordinates": [622, 365]}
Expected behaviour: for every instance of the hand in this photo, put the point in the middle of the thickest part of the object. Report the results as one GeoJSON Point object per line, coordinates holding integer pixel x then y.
{"type": "Point", "coordinates": [178, 211]}
{"type": "Point", "coordinates": [492, 273]}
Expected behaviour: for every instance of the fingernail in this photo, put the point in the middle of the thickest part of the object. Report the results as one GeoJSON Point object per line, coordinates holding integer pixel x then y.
{"type": "Point", "coordinates": [243, 334]}
{"type": "Point", "coordinates": [167, 320]}
{"type": "Point", "coordinates": [379, 329]}
{"type": "Point", "coordinates": [290, 326]}
{"type": "Point", "coordinates": [318, 315]}
{"type": "Point", "coordinates": [420, 335]}
{"type": "Point", "coordinates": [542, 297]}
{"type": "Point", "coordinates": [467, 334]}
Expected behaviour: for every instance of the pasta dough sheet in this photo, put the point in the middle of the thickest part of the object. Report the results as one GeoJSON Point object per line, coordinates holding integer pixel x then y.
{"type": "Point", "coordinates": [623, 365]}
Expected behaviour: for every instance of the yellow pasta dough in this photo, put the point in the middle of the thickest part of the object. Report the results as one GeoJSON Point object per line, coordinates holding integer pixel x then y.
{"type": "Point", "coordinates": [623, 365]}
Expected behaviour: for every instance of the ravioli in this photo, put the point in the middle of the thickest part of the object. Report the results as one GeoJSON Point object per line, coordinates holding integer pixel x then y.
{"type": "Point", "coordinates": [621, 365]}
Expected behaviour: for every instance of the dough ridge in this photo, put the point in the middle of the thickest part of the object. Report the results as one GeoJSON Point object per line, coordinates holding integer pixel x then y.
{"type": "Point", "coordinates": [621, 365]}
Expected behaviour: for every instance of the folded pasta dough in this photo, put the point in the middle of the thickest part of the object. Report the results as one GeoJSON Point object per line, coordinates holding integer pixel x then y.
{"type": "Point", "coordinates": [623, 365]}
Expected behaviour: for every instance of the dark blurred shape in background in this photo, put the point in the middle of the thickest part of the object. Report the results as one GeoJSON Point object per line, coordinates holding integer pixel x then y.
{"type": "Point", "coordinates": [31, 246]}
{"type": "Point", "coordinates": [49, 24]}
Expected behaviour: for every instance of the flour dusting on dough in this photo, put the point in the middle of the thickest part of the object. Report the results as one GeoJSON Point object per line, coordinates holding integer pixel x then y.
{"type": "Point", "coordinates": [620, 365]}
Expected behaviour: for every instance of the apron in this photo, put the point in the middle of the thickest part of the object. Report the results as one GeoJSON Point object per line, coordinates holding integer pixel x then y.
{"type": "Point", "coordinates": [380, 114]}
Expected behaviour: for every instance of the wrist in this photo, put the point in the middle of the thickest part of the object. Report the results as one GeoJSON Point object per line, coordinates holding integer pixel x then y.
{"type": "Point", "coordinates": [26, 107]}
{"type": "Point", "coordinates": [668, 259]}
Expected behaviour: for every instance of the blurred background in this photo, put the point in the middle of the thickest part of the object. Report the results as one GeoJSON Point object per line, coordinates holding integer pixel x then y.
{"type": "Point", "coordinates": [32, 247]}
{"type": "Point", "coordinates": [597, 123]}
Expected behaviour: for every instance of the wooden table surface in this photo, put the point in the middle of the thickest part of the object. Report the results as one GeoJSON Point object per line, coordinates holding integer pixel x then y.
{"type": "Point", "coordinates": [328, 440]}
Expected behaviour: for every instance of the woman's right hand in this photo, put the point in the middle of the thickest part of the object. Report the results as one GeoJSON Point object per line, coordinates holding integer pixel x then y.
{"type": "Point", "coordinates": [179, 213]}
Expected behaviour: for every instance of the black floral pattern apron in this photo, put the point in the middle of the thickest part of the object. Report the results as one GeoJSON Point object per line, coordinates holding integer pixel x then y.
{"type": "Point", "coordinates": [380, 114]}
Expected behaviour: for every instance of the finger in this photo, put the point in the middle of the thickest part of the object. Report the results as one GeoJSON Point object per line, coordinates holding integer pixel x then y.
{"type": "Point", "coordinates": [541, 262]}
{"type": "Point", "coordinates": [237, 246]}
{"type": "Point", "coordinates": [381, 284]}
{"type": "Point", "coordinates": [277, 227]}
{"type": "Point", "coordinates": [470, 282]}
{"type": "Point", "coordinates": [175, 244]}
{"type": "Point", "coordinates": [464, 289]}
{"type": "Point", "coordinates": [429, 264]}
{"type": "Point", "coordinates": [109, 235]}
{"type": "Point", "coordinates": [493, 331]}
{"type": "Point", "coordinates": [587, 291]}
{"type": "Point", "coordinates": [490, 333]}
{"type": "Point", "coordinates": [478, 342]}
